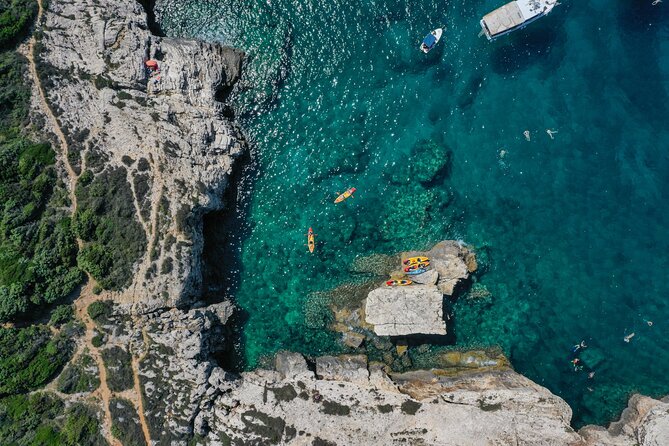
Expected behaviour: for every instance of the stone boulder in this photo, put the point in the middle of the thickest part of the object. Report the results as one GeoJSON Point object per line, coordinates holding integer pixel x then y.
{"type": "Point", "coordinates": [351, 368]}
{"type": "Point", "coordinates": [292, 366]}
{"type": "Point", "coordinates": [401, 311]}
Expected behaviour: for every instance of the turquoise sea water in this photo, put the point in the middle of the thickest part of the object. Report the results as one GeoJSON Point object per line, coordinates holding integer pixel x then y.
{"type": "Point", "coordinates": [575, 230]}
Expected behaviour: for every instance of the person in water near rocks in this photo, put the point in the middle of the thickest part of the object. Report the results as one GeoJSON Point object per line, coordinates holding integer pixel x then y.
{"type": "Point", "coordinates": [578, 347]}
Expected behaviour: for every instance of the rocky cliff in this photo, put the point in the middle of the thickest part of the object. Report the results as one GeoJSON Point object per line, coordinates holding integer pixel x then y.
{"type": "Point", "coordinates": [171, 144]}
{"type": "Point", "coordinates": [165, 130]}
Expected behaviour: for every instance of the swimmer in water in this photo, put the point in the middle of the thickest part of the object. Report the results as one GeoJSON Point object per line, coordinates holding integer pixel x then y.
{"type": "Point", "coordinates": [526, 133]}
{"type": "Point", "coordinates": [628, 337]}
{"type": "Point", "coordinates": [591, 375]}
{"type": "Point", "coordinates": [577, 347]}
{"type": "Point", "coordinates": [649, 323]}
{"type": "Point", "coordinates": [551, 132]}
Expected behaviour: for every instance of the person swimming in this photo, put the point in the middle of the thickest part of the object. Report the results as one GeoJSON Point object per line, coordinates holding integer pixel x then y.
{"type": "Point", "coordinates": [629, 337]}
{"type": "Point", "coordinates": [578, 347]}
{"type": "Point", "coordinates": [551, 133]}
{"type": "Point", "coordinates": [526, 133]}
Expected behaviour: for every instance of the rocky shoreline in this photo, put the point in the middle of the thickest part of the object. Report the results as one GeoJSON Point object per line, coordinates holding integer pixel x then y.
{"type": "Point", "coordinates": [175, 145]}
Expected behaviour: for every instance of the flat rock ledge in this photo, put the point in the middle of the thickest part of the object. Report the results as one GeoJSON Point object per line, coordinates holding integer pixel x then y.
{"type": "Point", "coordinates": [405, 311]}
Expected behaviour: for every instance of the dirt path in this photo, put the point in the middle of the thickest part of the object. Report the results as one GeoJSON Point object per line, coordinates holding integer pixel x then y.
{"type": "Point", "coordinates": [71, 174]}
{"type": "Point", "coordinates": [81, 306]}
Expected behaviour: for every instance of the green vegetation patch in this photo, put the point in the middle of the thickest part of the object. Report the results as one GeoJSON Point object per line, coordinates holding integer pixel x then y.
{"type": "Point", "coordinates": [334, 408]}
{"type": "Point", "coordinates": [31, 356]}
{"type": "Point", "coordinates": [100, 310]}
{"type": "Point", "coordinates": [119, 368]}
{"type": "Point", "coordinates": [37, 245]}
{"type": "Point", "coordinates": [81, 376]}
{"type": "Point", "coordinates": [62, 314]}
{"type": "Point", "coordinates": [41, 420]}
{"type": "Point", "coordinates": [268, 428]}
{"type": "Point", "coordinates": [16, 16]}
{"type": "Point", "coordinates": [385, 408]}
{"type": "Point", "coordinates": [125, 423]}
{"type": "Point", "coordinates": [106, 220]}
{"type": "Point", "coordinates": [410, 407]}
{"type": "Point", "coordinates": [285, 393]}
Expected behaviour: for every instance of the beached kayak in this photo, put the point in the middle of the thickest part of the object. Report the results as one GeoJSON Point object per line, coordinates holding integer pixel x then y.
{"type": "Point", "coordinates": [311, 240]}
{"type": "Point", "coordinates": [414, 260]}
{"type": "Point", "coordinates": [345, 195]}
{"type": "Point", "coordinates": [416, 271]}
{"type": "Point", "coordinates": [403, 282]}
{"type": "Point", "coordinates": [431, 40]}
{"type": "Point", "coordinates": [416, 266]}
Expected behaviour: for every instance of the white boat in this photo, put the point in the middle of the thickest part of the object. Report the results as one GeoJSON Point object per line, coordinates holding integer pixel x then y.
{"type": "Point", "coordinates": [431, 40]}
{"type": "Point", "coordinates": [515, 15]}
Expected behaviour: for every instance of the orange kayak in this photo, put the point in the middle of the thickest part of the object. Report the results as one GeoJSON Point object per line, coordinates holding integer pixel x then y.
{"type": "Point", "coordinates": [311, 240]}
{"type": "Point", "coordinates": [414, 260]}
{"type": "Point", "coordinates": [403, 282]}
{"type": "Point", "coordinates": [345, 195]}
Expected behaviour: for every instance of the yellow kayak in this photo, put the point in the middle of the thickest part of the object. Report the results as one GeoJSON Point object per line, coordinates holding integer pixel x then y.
{"type": "Point", "coordinates": [403, 282]}
{"type": "Point", "coordinates": [345, 195]}
{"type": "Point", "coordinates": [415, 260]}
{"type": "Point", "coordinates": [311, 240]}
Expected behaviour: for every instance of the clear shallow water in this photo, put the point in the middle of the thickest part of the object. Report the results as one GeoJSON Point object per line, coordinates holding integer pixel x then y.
{"type": "Point", "coordinates": [336, 94]}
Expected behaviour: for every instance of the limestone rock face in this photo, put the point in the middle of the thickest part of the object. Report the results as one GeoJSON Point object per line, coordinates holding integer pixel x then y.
{"type": "Point", "coordinates": [399, 311]}
{"type": "Point", "coordinates": [170, 132]}
{"type": "Point", "coordinates": [645, 422]}
{"type": "Point", "coordinates": [351, 368]}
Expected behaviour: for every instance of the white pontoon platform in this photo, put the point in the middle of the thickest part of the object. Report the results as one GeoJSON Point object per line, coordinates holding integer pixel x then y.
{"type": "Point", "coordinates": [514, 15]}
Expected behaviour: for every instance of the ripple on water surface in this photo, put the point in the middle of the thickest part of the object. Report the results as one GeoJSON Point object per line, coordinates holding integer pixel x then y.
{"type": "Point", "coordinates": [336, 94]}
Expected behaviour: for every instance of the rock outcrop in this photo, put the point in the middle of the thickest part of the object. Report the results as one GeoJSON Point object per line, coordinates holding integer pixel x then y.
{"type": "Point", "coordinates": [418, 308]}
{"type": "Point", "coordinates": [645, 422]}
{"type": "Point", "coordinates": [452, 260]}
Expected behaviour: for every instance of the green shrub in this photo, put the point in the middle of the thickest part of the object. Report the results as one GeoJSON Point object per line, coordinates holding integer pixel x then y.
{"type": "Point", "coordinates": [81, 376]}
{"type": "Point", "coordinates": [125, 423]}
{"type": "Point", "coordinates": [98, 340]}
{"type": "Point", "coordinates": [100, 308]}
{"type": "Point", "coordinates": [410, 407]}
{"type": "Point", "coordinates": [41, 419]}
{"type": "Point", "coordinates": [82, 427]}
{"type": "Point", "coordinates": [30, 419]}
{"type": "Point", "coordinates": [16, 17]}
{"type": "Point", "coordinates": [106, 218]}
{"type": "Point", "coordinates": [37, 245]}
{"type": "Point", "coordinates": [30, 357]}
{"type": "Point", "coordinates": [61, 315]}
{"type": "Point", "coordinates": [334, 408]}
{"type": "Point", "coordinates": [119, 368]}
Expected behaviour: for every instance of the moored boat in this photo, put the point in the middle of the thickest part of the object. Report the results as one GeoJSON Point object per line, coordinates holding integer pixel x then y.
{"type": "Point", "coordinates": [514, 16]}
{"type": "Point", "coordinates": [431, 40]}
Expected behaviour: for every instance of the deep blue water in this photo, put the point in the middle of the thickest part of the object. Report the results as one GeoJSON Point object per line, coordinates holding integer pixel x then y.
{"type": "Point", "coordinates": [575, 229]}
